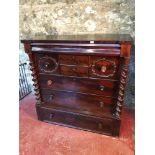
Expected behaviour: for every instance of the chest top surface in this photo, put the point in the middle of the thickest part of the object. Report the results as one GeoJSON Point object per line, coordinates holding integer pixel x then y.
{"type": "Point", "coordinates": [103, 38]}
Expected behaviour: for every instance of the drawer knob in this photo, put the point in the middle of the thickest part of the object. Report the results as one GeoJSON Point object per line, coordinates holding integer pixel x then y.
{"type": "Point", "coordinates": [101, 88]}
{"type": "Point", "coordinates": [101, 104]}
{"type": "Point", "coordinates": [103, 69]}
{"type": "Point", "coordinates": [74, 79]}
{"type": "Point", "coordinates": [51, 97]}
{"type": "Point", "coordinates": [51, 116]}
{"type": "Point", "coordinates": [49, 82]}
{"type": "Point", "coordinates": [100, 126]}
{"type": "Point", "coordinates": [47, 64]}
{"type": "Point", "coordinates": [73, 58]}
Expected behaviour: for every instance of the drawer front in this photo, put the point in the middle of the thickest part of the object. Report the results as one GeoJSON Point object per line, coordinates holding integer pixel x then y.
{"type": "Point", "coordinates": [47, 63]}
{"type": "Point", "coordinates": [103, 125]}
{"type": "Point", "coordinates": [73, 60]}
{"type": "Point", "coordinates": [90, 86]}
{"type": "Point", "coordinates": [74, 71]}
{"type": "Point", "coordinates": [94, 104]}
{"type": "Point", "coordinates": [104, 67]}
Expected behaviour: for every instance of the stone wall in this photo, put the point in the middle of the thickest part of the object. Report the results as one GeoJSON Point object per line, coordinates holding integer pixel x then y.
{"type": "Point", "coordinates": [76, 17]}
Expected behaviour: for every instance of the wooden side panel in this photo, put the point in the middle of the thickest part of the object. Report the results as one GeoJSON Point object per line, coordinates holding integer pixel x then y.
{"type": "Point", "coordinates": [125, 50]}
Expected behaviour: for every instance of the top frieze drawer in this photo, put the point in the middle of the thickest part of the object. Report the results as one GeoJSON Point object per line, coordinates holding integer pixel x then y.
{"type": "Point", "coordinates": [77, 48]}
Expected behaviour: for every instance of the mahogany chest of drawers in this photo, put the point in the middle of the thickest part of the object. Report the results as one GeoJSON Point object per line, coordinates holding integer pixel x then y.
{"type": "Point", "coordinates": [80, 80]}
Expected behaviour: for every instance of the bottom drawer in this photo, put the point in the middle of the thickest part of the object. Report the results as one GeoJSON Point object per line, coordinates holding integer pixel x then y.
{"type": "Point", "coordinates": [101, 125]}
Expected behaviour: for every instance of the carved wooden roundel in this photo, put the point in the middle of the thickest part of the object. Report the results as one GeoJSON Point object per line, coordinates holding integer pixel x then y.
{"type": "Point", "coordinates": [104, 68]}
{"type": "Point", "coordinates": [47, 64]}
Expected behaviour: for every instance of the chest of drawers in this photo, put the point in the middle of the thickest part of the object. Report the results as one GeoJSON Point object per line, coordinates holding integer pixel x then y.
{"type": "Point", "coordinates": [80, 80]}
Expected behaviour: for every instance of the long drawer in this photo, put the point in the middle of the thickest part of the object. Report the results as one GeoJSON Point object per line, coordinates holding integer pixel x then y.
{"type": "Point", "coordinates": [90, 86]}
{"type": "Point", "coordinates": [89, 104]}
{"type": "Point", "coordinates": [76, 120]}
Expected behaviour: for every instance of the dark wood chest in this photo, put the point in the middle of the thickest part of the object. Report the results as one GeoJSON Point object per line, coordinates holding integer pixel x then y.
{"type": "Point", "coordinates": [80, 80]}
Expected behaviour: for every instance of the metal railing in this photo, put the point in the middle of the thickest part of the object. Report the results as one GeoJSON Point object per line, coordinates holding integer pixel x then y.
{"type": "Point", "coordinates": [24, 86]}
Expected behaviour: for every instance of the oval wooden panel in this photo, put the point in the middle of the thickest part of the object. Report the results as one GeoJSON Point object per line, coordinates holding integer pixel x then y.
{"type": "Point", "coordinates": [104, 67]}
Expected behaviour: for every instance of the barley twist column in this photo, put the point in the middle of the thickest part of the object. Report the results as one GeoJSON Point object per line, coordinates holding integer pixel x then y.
{"type": "Point", "coordinates": [27, 47]}
{"type": "Point", "coordinates": [121, 91]}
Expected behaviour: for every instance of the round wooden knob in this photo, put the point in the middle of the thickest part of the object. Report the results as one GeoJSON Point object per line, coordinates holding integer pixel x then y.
{"type": "Point", "coordinates": [51, 97]}
{"type": "Point", "coordinates": [73, 58]}
{"type": "Point", "coordinates": [74, 69]}
{"type": "Point", "coordinates": [102, 88]}
{"type": "Point", "coordinates": [51, 115]}
{"type": "Point", "coordinates": [49, 82]}
{"type": "Point", "coordinates": [100, 126]}
{"type": "Point", "coordinates": [47, 64]}
{"type": "Point", "coordinates": [101, 104]}
{"type": "Point", "coordinates": [103, 69]}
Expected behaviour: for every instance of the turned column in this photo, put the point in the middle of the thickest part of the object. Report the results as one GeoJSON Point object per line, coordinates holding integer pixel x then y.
{"type": "Point", "coordinates": [125, 55]}
{"type": "Point", "coordinates": [27, 48]}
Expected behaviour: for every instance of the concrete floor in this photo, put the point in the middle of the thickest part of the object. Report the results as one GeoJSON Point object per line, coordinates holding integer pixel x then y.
{"type": "Point", "coordinates": [39, 138]}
